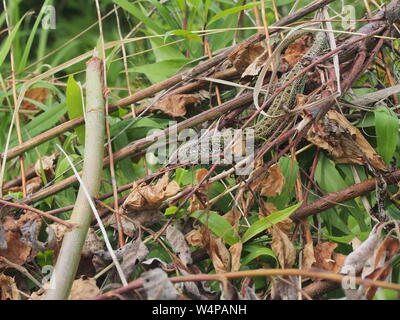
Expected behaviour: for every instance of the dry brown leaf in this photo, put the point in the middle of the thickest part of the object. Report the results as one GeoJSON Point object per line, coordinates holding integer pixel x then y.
{"type": "Point", "coordinates": [327, 259]}
{"type": "Point", "coordinates": [269, 207]}
{"type": "Point", "coordinates": [283, 248]}
{"type": "Point", "coordinates": [143, 202]}
{"type": "Point", "coordinates": [245, 56]}
{"type": "Point", "coordinates": [272, 186]}
{"type": "Point", "coordinates": [296, 50]}
{"type": "Point", "coordinates": [200, 174]}
{"type": "Point", "coordinates": [233, 217]}
{"type": "Point", "coordinates": [157, 285]}
{"type": "Point", "coordinates": [10, 224]}
{"type": "Point", "coordinates": [8, 288]}
{"type": "Point", "coordinates": [130, 220]}
{"type": "Point", "coordinates": [37, 94]}
{"type": "Point", "coordinates": [343, 141]}
{"type": "Point", "coordinates": [179, 245]}
{"type": "Point", "coordinates": [84, 289]}
{"type": "Point", "coordinates": [16, 251]}
{"type": "Point", "coordinates": [175, 105]}
{"type": "Point", "coordinates": [255, 67]}
{"type": "Point", "coordinates": [236, 252]}
{"type": "Point", "coordinates": [308, 256]}
{"type": "Point", "coordinates": [195, 205]}
{"type": "Point", "coordinates": [47, 166]}
{"type": "Point", "coordinates": [219, 254]}
{"type": "Point", "coordinates": [196, 237]}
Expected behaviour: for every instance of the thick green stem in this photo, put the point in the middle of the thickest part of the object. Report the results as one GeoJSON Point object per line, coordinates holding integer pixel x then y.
{"type": "Point", "coordinates": [69, 256]}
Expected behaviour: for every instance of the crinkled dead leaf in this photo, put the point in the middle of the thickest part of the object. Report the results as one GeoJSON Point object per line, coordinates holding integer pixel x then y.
{"type": "Point", "coordinates": [84, 289]}
{"type": "Point", "coordinates": [157, 285]}
{"type": "Point", "coordinates": [236, 252]}
{"type": "Point", "coordinates": [131, 220]}
{"type": "Point", "coordinates": [37, 94]}
{"type": "Point", "coordinates": [145, 196]}
{"type": "Point", "coordinates": [283, 248]}
{"type": "Point", "coordinates": [233, 217]}
{"type": "Point", "coordinates": [176, 105]}
{"type": "Point", "coordinates": [200, 174]}
{"type": "Point", "coordinates": [47, 166]}
{"type": "Point", "coordinates": [308, 256]}
{"type": "Point", "coordinates": [131, 254]}
{"type": "Point", "coordinates": [291, 55]}
{"type": "Point", "coordinates": [143, 202]}
{"type": "Point", "coordinates": [30, 233]}
{"type": "Point", "coordinates": [195, 237]}
{"type": "Point", "coordinates": [327, 259]}
{"type": "Point", "coordinates": [343, 141]}
{"type": "Point", "coordinates": [17, 252]}
{"type": "Point", "coordinates": [8, 288]}
{"type": "Point", "coordinates": [135, 252]}
{"type": "Point", "coordinates": [219, 254]}
{"type": "Point", "coordinates": [195, 204]}
{"type": "Point", "coordinates": [245, 56]}
{"type": "Point", "coordinates": [272, 186]}
{"type": "Point", "coordinates": [296, 50]}
{"type": "Point", "coordinates": [179, 245]}
{"type": "Point", "coordinates": [254, 68]}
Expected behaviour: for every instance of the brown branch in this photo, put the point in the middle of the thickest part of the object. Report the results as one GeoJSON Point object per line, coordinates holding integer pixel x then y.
{"type": "Point", "coordinates": [37, 211]}
{"type": "Point", "coordinates": [138, 283]}
{"type": "Point", "coordinates": [319, 288]}
{"type": "Point", "coordinates": [331, 199]}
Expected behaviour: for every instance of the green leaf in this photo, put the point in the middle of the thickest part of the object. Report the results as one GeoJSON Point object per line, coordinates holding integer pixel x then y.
{"type": "Point", "coordinates": [187, 34]}
{"type": "Point", "coordinates": [265, 223]}
{"type": "Point", "coordinates": [231, 11]}
{"type": "Point", "coordinates": [330, 180]}
{"type": "Point", "coordinates": [290, 169]}
{"type": "Point", "coordinates": [255, 252]}
{"type": "Point", "coordinates": [138, 14]}
{"type": "Point", "coordinates": [42, 122]}
{"type": "Point", "coordinates": [7, 43]}
{"type": "Point", "coordinates": [171, 211]}
{"type": "Point", "coordinates": [387, 132]}
{"type": "Point", "coordinates": [75, 106]}
{"type": "Point", "coordinates": [217, 224]}
{"type": "Point", "coordinates": [159, 71]}
{"type": "Point", "coordinates": [346, 239]}
{"type": "Point", "coordinates": [28, 45]}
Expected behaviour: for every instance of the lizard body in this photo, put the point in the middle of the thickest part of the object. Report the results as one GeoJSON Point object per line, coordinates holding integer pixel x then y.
{"type": "Point", "coordinates": [273, 123]}
{"type": "Point", "coordinates": [286, 100]}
